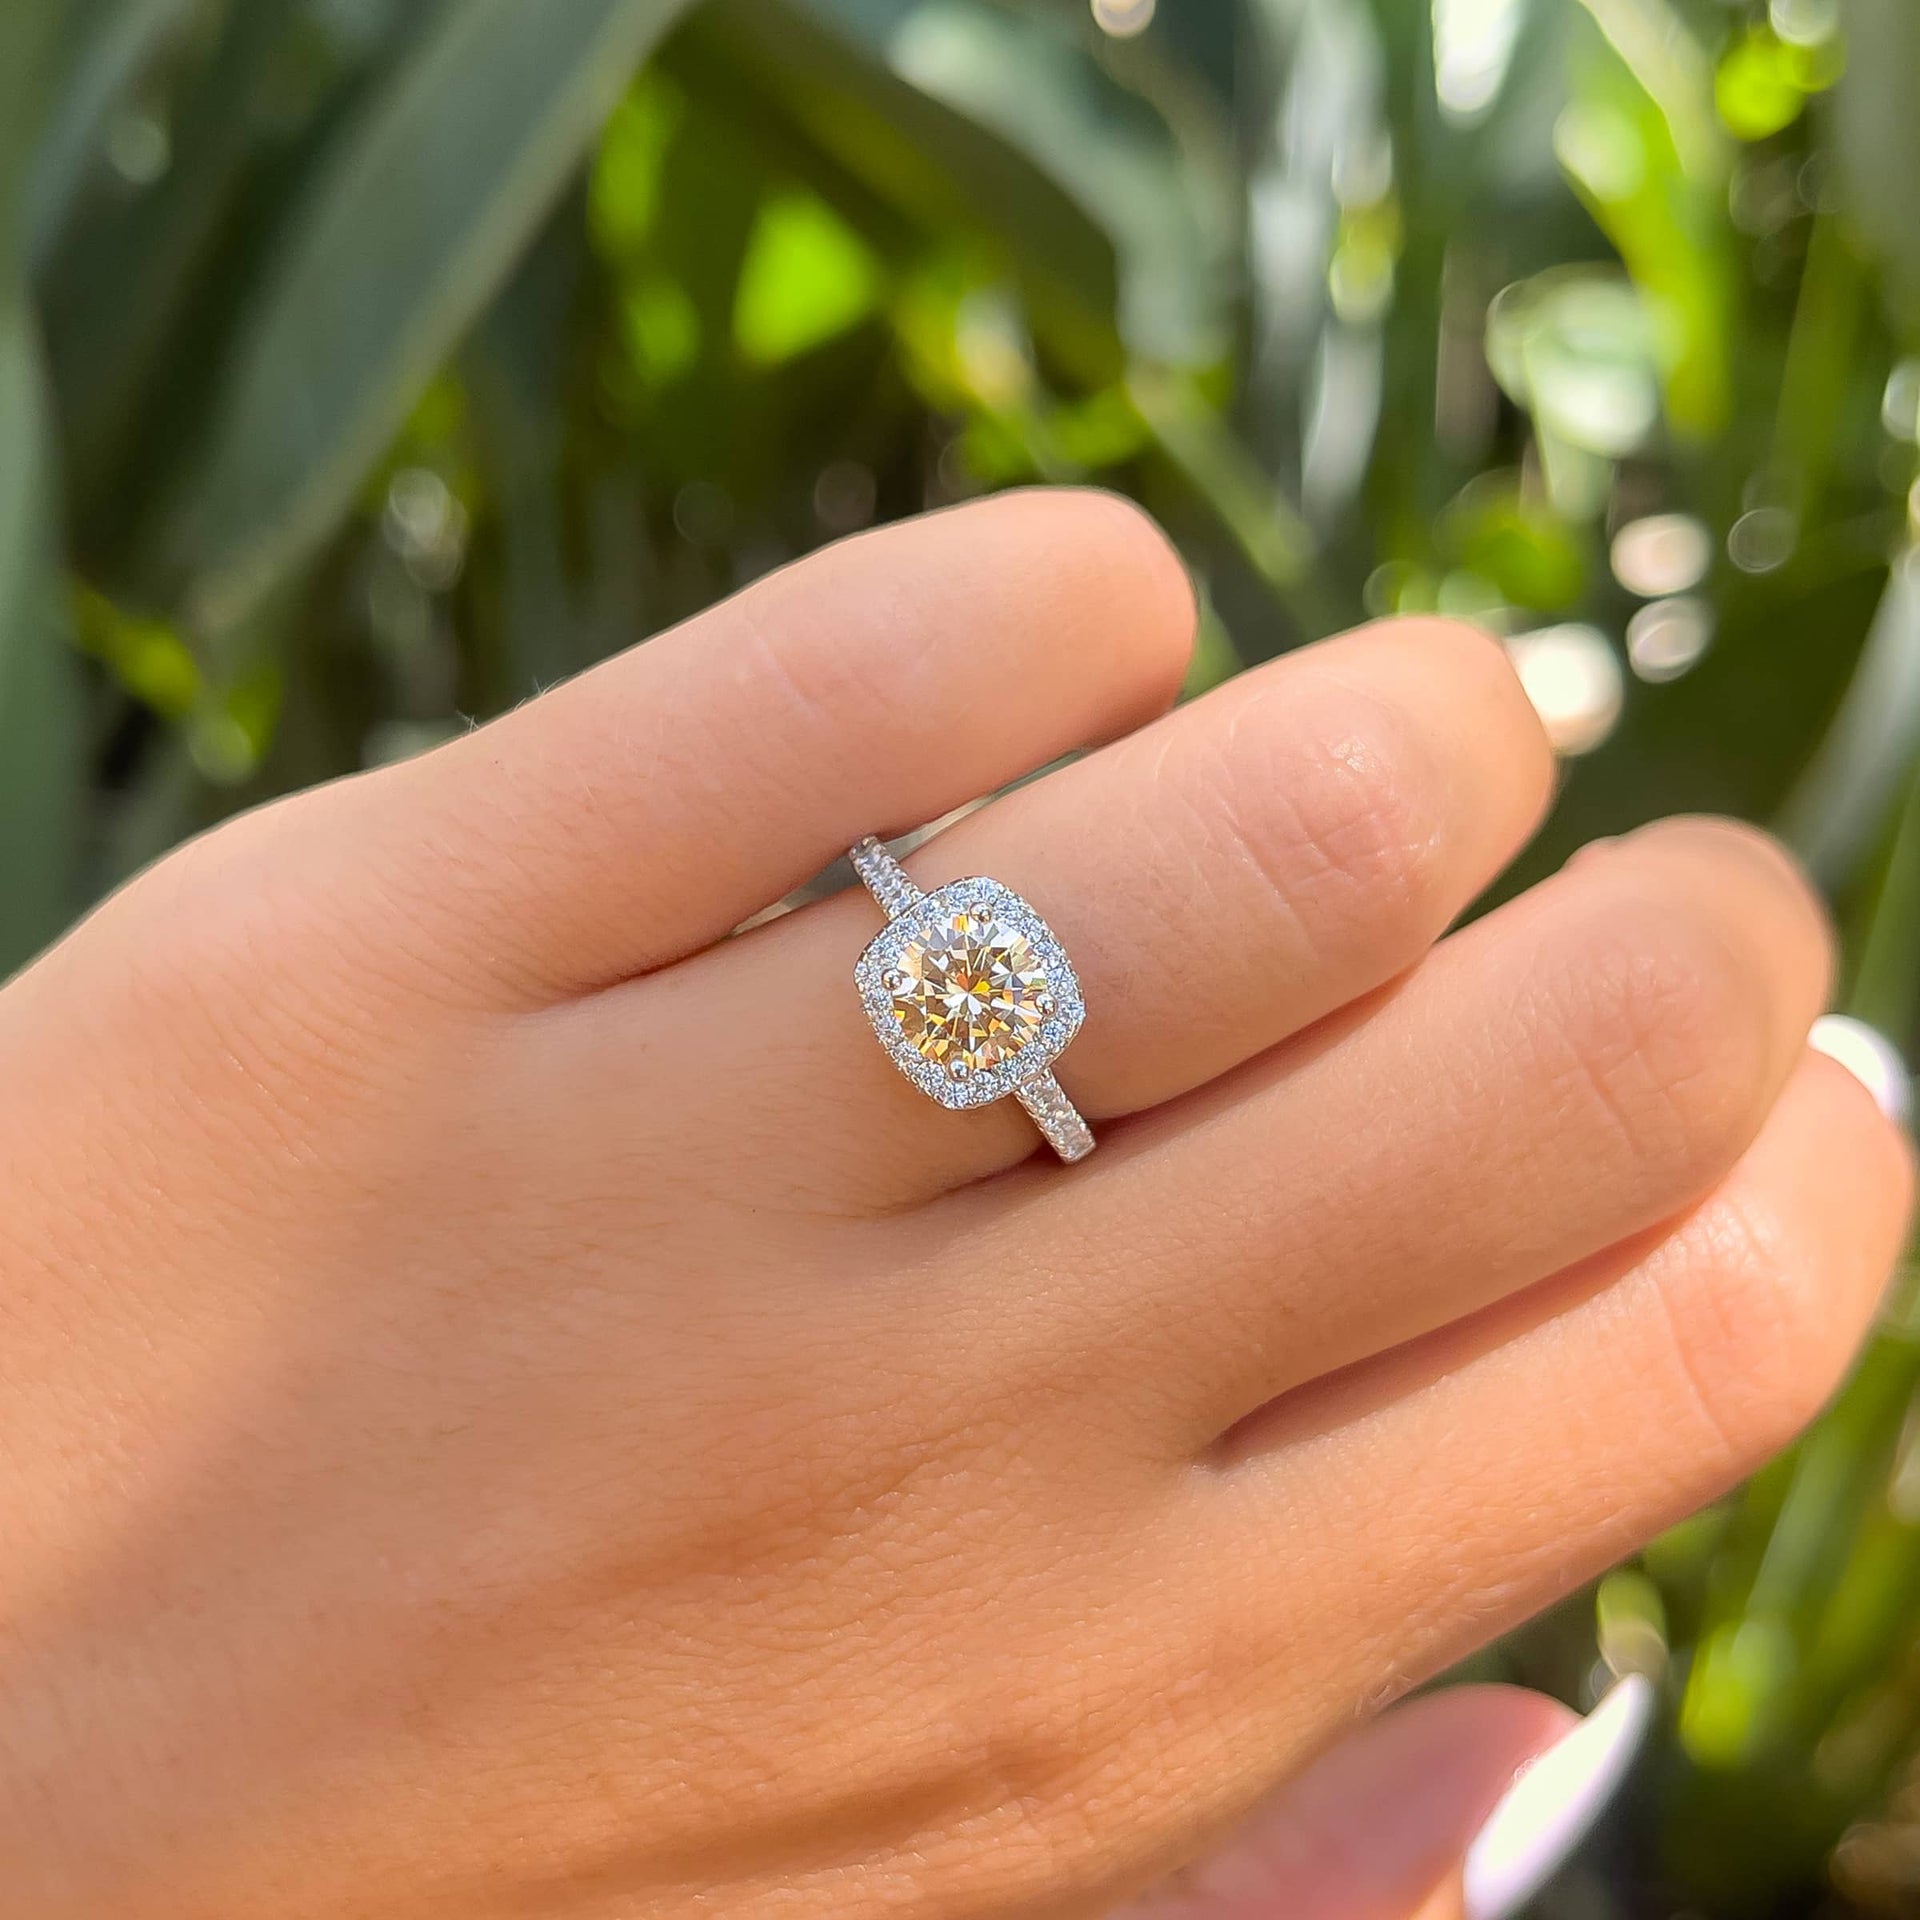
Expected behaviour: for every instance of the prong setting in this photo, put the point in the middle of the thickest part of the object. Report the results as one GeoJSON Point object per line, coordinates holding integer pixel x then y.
{"type": "Point", "coordinates": [1043, 1004]}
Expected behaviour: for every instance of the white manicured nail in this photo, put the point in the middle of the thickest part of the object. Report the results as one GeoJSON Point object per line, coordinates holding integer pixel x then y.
{"type": "Point", "coordinates": [1870, 1057]}
{"type": "Point", "coordinates": [1552, 1805]}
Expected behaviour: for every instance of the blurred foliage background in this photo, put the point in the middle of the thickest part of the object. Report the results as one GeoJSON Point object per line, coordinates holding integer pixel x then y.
{"type": "Point", "coordinates": [367, 365]}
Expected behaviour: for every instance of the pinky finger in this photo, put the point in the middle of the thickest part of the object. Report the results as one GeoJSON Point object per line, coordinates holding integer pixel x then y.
{"type": "Point", "coordinates": [1501, 1463]}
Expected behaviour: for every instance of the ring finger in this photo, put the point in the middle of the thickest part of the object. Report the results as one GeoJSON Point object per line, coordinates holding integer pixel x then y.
{"type": "Point", "coordinates": [1220, 880]}
{"type": "Point", "coordinates": [1567, 1424]}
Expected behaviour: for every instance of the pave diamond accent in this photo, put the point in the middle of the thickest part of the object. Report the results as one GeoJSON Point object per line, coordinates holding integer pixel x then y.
{"type": "Point", "coordinates": [1057, 1117]}
{"type": "Point", "coordinates": [885, 878]}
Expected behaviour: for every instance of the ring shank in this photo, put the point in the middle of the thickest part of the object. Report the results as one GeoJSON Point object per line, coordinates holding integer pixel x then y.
{"type": "Point", "coordinates": [885, 878]}
{"type": "Point", "coordinates": [1043, 1097]}
{"type": "Point", "coordinates": [1057, 1117]}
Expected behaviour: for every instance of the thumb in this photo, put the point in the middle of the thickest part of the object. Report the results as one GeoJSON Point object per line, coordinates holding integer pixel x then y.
{"type": "Point", "coordinates": [1457, 1806]}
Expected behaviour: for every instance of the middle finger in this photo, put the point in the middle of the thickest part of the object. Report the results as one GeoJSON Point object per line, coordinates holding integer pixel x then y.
{"type": "Point", "coordinates": [1570, 1071]}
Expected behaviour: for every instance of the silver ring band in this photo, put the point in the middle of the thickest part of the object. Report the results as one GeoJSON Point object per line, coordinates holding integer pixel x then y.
{"type": "Point", "coordinates": [971, 995]}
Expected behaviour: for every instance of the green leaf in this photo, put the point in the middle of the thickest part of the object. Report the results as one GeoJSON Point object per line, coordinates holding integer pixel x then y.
{"type": "Point", "coordinates": [1166, 208]}
{"type": "Point", "coordinates": [1267, 528]}
{"type": "Point", "coordinates": [1850, 784]}
{"type": "Point", "coordinates": [416, 215]}
{"type": "Point", "coordinates": [1578, 349]}
{"type": "Point", "coordinates": [1756, 86]}
{"type": "Point", "coordinates": [1667, 217]}
{"type": "Point", "coordinates": [1878, 127]}
{"type": "Point", "coordinates": [42, 741]}
{"type": "Point", "coordinates": [516, 368]}
{"type": "Point", "coordinates": [1885, 989]}
{"type": "Point", "coordinates": [826, 72]}
{"type": "Point", "coordinates": [999, 126]}
{"type": "Point", "coordinates": [105, 44]}
{"type": "Point", "coordinates": [1660, 51]}
{"type": "Point", "coordinates": [43, 768]}
{"type": "Point", "coordinates": [807, 277]}
{"type": "Point", "coordinates": [624, 195]}
{"type": "Point", "coordinates": [30, 38]}
{"type": "Point", "coordinates": [136, 293]}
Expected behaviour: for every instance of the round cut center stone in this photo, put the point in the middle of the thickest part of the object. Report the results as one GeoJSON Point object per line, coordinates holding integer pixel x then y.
{"type": "Point", "coordinates": [970, 994]}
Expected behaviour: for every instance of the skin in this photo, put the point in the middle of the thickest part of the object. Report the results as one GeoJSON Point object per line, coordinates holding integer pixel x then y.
{"type": "Point", "coordinates": [511, 1408]}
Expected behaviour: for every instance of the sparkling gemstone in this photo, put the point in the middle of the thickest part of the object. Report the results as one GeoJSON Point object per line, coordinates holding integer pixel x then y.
{"type": "Point", "coordinates": [969, 992]}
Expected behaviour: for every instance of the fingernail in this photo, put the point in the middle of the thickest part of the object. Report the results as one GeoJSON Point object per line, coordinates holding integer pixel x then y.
{"type": "Point", "coordinates": [1552, 1805]}
{"type": "Point", "coordinates": [1871, 1058]}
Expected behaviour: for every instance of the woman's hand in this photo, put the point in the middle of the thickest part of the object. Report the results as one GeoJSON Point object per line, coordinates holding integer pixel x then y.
{"type": "Point", "coordinates": [510, 1405]}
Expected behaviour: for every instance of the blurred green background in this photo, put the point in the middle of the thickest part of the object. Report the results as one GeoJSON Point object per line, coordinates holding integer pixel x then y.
{"type": "Point", "coordinates": [367, 365]}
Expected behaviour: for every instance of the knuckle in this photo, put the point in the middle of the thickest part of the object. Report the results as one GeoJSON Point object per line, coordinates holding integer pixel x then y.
{"type": "Point", "coordinates": [227, 958]}
{"type": "Point", "coordinates": [1341, 814]}
{"type": "Point", "coordinates": [1664, 1027]}
{"type": "Point", "coordinates": [816, 673]}
{"type": "Point", "coordinates": [1757, 1346]}
{"type": "Point", "coordinates": [1082, 1779]}
{"type": "Point", "coordinates": [208, 907]}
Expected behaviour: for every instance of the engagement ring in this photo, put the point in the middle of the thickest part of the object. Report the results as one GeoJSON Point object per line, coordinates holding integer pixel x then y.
{"type": "Point", "coordinates": [971, 995]}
